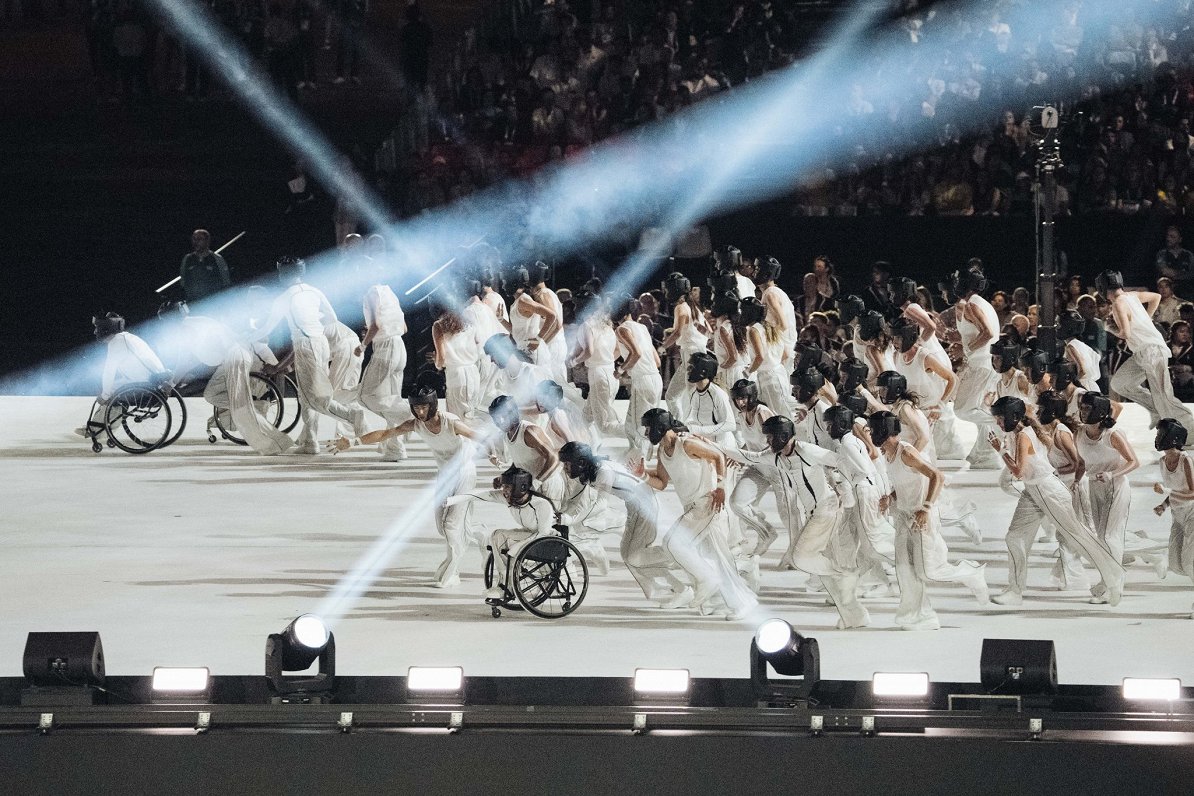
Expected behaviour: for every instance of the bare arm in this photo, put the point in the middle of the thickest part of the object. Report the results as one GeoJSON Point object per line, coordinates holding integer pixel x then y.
{"type": "Point", "coordinates": [537, 441]}
{"type": "Point", "coordinates": [932, 365]}
{"type": "Point", "coordinates": [1123, 322]}
{"type": "Point", "coordinates": [771, 301]}
{"type": "Point", "coordinates": [914, 419]}
{"type": "Point", "coordinates": [986, 333]}
{"type": "Point", "coordinates": [552, 321]}
{"type": "Point", "coordinates": [1120, 443]}
{"type": "Point", "coordinates": [699, 449]}
{"type": "Point", "coordinates": [913, 459]}
{"type": "Point", "coordinates": [918, 315]}
{"type": "Point", "coordinates": [658, 478]}
{"type": "Point", "coordinates": [437, 337]}
{"type": "Point", "coordinates": [634, 354]}
{"type": "Point", "coordinates": [756, 339]}
{"type": "Point", "coordinates": [1150, 301]}
{"type": "Point", "coordinates": [681, 317]}
{"type": "Point", "coordinates": [727, 339]}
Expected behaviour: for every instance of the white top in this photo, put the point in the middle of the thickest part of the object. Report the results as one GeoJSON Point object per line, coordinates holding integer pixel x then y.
{"type": "Point", "coordinates": [910, 487]}
{"type": "Point", "coordinates": [1141, 333]}
{"type": "Point", "coordinates": [746, 286]}
{"type": "Point", "coordinates": [854, 462]}
{"type": "Point", "coordinates": [383, 309]}
{"type": "Point", "coordinates": [129, 359]}
{"type": "Point", "coordinates": [709, 412]}
{"type": "Point", "coordinates": [750, 435]}
{"type": "Point", "coordinates": [481, 318]}
{"type": "Point", "coordinates": [1087, 360]}
{"type": "Point", "coordinates": [642, 338]}
{"type": "Point", "coordinates": [520, 454]}
{"type": "Point", "coordinates": [522, 328]}
{"type": "Point", "coordinates": [969, 332]}
{"type": "Point", "coordinates": [612, 479]}
{"type": "Point", "coordinates": [1039, 466]}
{"type": "Point", "coordinates": [804, 473]}
{"type": "Point", "coordinates": [462, 348]}
{"type": "Point", "coordinates": [208, 340]}
{"type": "Point", "coordinates": [1177, 478]}
{"type": "Point", "coordinates": [305, 309]}
{"type": "Point", "coordinates": [692, 478]}
{"type": "Point", "coordinates": [558, 346]}
{"type": "Point", "coordinates": [929, 387]}
{"type": "Point", "coordinates": [788, 311]}
{"type": "Point", "coordinates": [811, 427]}
{"type": "Point", "coordinates": [1009, 386]}
{"type": "Point", "coordinates": [1075, 402]}
{"type": "Point", "coordinates": [603, 343]}
{"type": "Point", "coordinates": [496, 304]}
{"type": "Point", "coordinates": [692, 338]}
{"type": "Point", "coordinates": [1099, 455]}
{"type": "Point", "coordinates": [722, 352]}
{"type": "Point", "coordinates": [1057, 457]}
{"type": "Point", "coordinates": [520, 380]}
{"type": "Point", "coordinates": [773, 353]}
{"type": "Point", "coordinates": [445, 443]}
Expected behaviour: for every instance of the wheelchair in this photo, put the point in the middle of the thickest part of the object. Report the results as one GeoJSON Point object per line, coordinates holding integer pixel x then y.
{"type": "Point", "coordinates": [548, 577]}
{"type": "Point", "coordinates": [269, 399]}
{"type": "Point", "coordinates": [136, 419]}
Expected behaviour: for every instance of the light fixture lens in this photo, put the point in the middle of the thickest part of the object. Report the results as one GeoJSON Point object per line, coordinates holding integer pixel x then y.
{"type": "Point", "coordinates": [434, 678]}
{"type": "Point", "coordinates": [310, 631]}
{"type": "Point", "coordinates": [180, 680]}
{"type": "Point", "coordinates": [1144, 688]}
{"type": "Point", "coordinates": [661, 681]}
{"type": "Point", "coordinates": [773, 635]}
{"type": "Point", "coordinates": [900, 684]}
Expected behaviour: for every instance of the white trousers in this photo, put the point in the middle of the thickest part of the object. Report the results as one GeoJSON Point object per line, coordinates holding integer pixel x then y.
{"type": "Point", "coordinates": [1110, 502]}
{"type": "Point", "coordinates": [974, 382]}
{"type": "Point", "coordinates": [1050, 499]}
{"type": "Point", "coordinates": [230, 390]}
{"type": "Point", "coordinates": [1181, 538]}
{"type": "Point", "coordinates": [457, 476]}
{"type": "Point", "coordinates": [599, 406]}
{"type": "Point", "coordinates": [922, 557]}
{"type": "Point", "coordinates": [1152, 364]}
{"type": "Point", "coordinates": [645, 391]}
{"type": "Point", "coordinates": [945, 433]}
{"type": "Point", "coordinates": [463, 390]}
{"type": "Point", "coordinates": [698, 545]}
{"type": "Point", "coordinates": [677, 386]}
{"type": "Point", "coordinates": [774, 390]}
{"type": "Point", "coordinates": [381, 387]}
{"type": "Point", "coordinates": [748, 493]}
{"type": "Point", "coordinates": [311, 358]}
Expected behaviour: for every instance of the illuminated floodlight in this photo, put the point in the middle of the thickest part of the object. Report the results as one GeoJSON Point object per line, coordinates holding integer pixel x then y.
{"type": "Point", "coordinates": [435, 679]}
{"type": "Point", "coordinates": [777, 644]}
{"type": "Point", "coordinates": [661, 681]}
{"type": "Point", "coordinates": [180, 680]}
{"type": "Point", "coordinates": [1145, 689]}
{"type": "Point", "coordinates": [900, 684]}
{"type": "Point", "coordinates": [303, 642]}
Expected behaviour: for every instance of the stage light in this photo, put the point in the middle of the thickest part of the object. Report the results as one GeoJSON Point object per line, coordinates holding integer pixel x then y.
{"type": "Point", "coordinates": [1018, 666]}
{"type": "Point", "coordinates": [180, 681]}
{"type": "Point", "coordinates": [1152, 689]}
{"type": "Point", "coordinates": [900, 684]}
{"type": "Point", "coordinates": [777, 644]}
{"type": "Point", "coordinates": [62, 668]}
{"type": "Point", "coordinates": [435, 679]}
{"type": "Point", "coordinates": [661, 681]}
{"type": "Point", "coordinates": [303, 642]}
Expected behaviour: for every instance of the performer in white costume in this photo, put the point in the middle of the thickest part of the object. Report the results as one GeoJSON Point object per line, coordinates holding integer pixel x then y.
{"type": "Point", "coordinates": [381, 382]}
{"type": "Point", "coordinates": [597, 345]}
{"type": "Point", "coordinates": [767, 357]}
{"type": "Point", "coordinates": [640, 361]}
{"type": "Point", "coordinates": [689, 333]}
{"type": "Point", "coordinates": [528, 447]}
{"type": "Point", "coordinates": [458, 345]}
{"type": "Point", "coordinates": [1085, 358]}
{"type": "Point", "coordinates": [753, 483]}
{"type": "Point", "coordinates": [781, 313]}
{"type": "Point", "coordinates": [128, 359]}
{"type": "Point", "coordinates": [1177, 485]}
{"type": "Point", "coordinates": [978, 326]}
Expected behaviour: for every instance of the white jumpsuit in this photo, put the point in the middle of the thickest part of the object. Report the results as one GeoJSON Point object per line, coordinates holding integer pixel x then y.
{"type": "Point", "coordinates": [976, 380]}
{"type": "Point", "coordinates": [692, 341]}
{"type": "Point", "coordinates": [1149, 361]}
{"type": "Point", "coordinates": [381, 382]}
{"type": "Point", "coordinates": [457, 474]}
{"type": "Point", "coordinates": [603, 386]}
{"type": "Point", "coordinates": [646, 385]}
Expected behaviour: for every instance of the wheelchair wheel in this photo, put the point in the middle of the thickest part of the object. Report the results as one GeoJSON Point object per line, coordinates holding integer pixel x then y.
{"type": "Point", "coordinates": [138, 419]}
{"type": "Point", "coordinates": [550, 576]}
{"type": "Point", "coordinates": [267, 400]}
{"type": "Point", "coordinates": [291, 403]}
{"type": "Point", "coordinates": [178, 416]}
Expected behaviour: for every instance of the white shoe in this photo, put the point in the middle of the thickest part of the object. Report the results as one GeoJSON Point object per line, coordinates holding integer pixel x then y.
{"type": "Point", "coordinates": [680, 599]}
{"type": "Point", "coordinates": [306, 449]}
{"type": "Point", "coordinates": [448, 583]}
{"type": "Point", "coordinates": [495, 593]}
{"type": "Point", "coordinates": [1161, 566]}
{"type": "Point", "coordinates": [924, 624]}
{"type": "Point", "coordinates": [1008, 598]}
{"type": "Point", "coordinates": [82, 431]}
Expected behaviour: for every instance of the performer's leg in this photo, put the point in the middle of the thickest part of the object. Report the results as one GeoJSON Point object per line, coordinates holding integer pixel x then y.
{"type": "Point", "coordinates": [915, 612]}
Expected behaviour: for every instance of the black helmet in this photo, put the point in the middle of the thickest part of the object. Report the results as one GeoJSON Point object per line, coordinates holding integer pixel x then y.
{"type": "Point", "coordinates": [1170, 434]}
{"type": "Point", "coordinates": [779, 431]}
{"type": "Point", "coordinates": [1094, 408]}
{"type": "Point", "coordinates": [968, 280]}
{"type": "Point", "coordinates": [658, 422]}
{"type": "Point", "coordinates": [904, 333]}
{"type": "Point", "coordinates": [839, 420]}
{"type": "Point", "coordinates": [548, 395]}
{"type": "Point", "coordinates": [870, 324]}
{"type": "Point", "coordinates": [1011, 409]}
{"type": "Point", "coordinates": [769, 269]}
{"type": "Point", "coordinates": [808, 355]}
{"type": "Point", "coordinates": [701, 365]}
{"type": "Point", "coordinates": [579, 462]}
{"type": "Point", "coordinates": [856, 402]}
{"type": "Point", "coordinates": [107, 325]}
{"type": "Point", "coordinates": [1108, 281]}
{"type": "Point", "coordinates": [1071, 324]}
{"type": "Point", "coordinates": [891, 386]}
{"type": "Point", "coordinates": [729, 257]}
{"type": "Point", "coordinates": [1005, 356]}
{"type": "Point", "coordinates": [807, 382]}
{"type": "Point", "coordinates": [519, 481]}
{"type": "Point", "coordinates": [1037, 363]}
{"type": "Point", "coordinates": [537, 272]}
{"type": "Point", "coordinates": [883, 426]}
{"type": "Point", "coordinates": [850, 307]}
{"type": "Point", "coordinates": [424, 396]}
{"type": "Point", "coordinates": [626, 305]}
{"type": "Point", "coordinates": [1051, 405]}
{"type": "Point", "coordinates": [290, 268]}
{"type": "Point", "coordinates": [503, 411]}
{"type": "Point", "coordinates": [1064, 373]}
{"type": "Point", "coordinates": [727, 305]}
{"type": "Point", "coordinates": [520, 278]}
{"type": "Point", "coordinates": [500, 347]}
{"type": "Point", "coordinates": [745, 388]}
{"type": "Point", "coordinates": [724, 284]}
{"type": "Point", "coordinates": [853, 373]}
{"type": "Point", "coordinates": [676, 286]}
{"type": "Point", "coordinates": [751, 311]}
{"type": "Point", "coordinates": [169, 310]}
{"type": "Point", "coordinates": [903, 290]}
{"type": "Point", "coordinates": [473, 287]}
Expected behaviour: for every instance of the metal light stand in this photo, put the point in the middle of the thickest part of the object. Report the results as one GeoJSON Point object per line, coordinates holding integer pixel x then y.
{"type": "Point", "coordinates": [1047, 164]}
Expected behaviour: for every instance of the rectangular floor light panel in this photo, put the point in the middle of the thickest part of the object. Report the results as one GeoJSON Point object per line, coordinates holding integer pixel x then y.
{"type": "Point", "coordinates": [447, 679]}
{"type": "Point", "coordinates": [180, 680]}
{"type": "Point", "coordinates": [1143, 688]}
{"type": "Point", "coordinates": [661, 681]}
{"type": "Point", "coordinates": [900, 684]}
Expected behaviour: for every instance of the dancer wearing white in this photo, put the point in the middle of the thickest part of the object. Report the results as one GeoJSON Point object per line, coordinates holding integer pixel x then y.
{"type": "Point", "coordinates": [527, 446]}
{"type": "Point", "coordinates": [128, 359]}
{"type": "Point", "coordinates": [1132, 314]}
{"type": "Point", "coordinates": [729, 342]}
{"type": "Point", "coordinates": [481, 317]}
{"type": "Point", "coordinates": [1177, 485]}
{"type": "Point", "coordinates": [872, 534]}
{"type": "Point", "coordinates": [781, 313]}
{"type": "Point", "coordinates": [877, 352]}
{"type": "Point", "coordinates": [307, 314]}
{"type": "Point", "coordinates": [597, 344]}
{"type": "Point", "coordinates": [451, 443]}
{"type": "Point", "coordinates": [767, 357]}
{"type": "Point", "coordinates": [458, 345]}
{"type": "Point", "coordinates": [690, 464]}
{"type": "Point", "coordinates": [1059, 432]}
{"type": "Point", "coordinates": [753, 482]}
{"type": "Point", "coordinates": [516, 376]}
{"type": "Point", "coordinates": [640, 361]}
{"type": "Point", "coordinates": [646, 561]}
{"type": "Point", "coordinates": [551, 351]}
{"type": "Point", "coordinates": [927, 370]}
{"type": "Point", "coordinates": [1085, 358]}
{"type": "Point", "coordinates": [689, 333]}
{"type": "Point", "coordinates": [381, 382]}
{"type": "Point", "coordinates": [978, 326]}
{"type": "Point", "coordinates": [921, 555]}
{"type": "Point", "coordinates": [1026, 457]}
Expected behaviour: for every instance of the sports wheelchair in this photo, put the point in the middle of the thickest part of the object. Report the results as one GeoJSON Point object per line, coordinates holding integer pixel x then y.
{"type": "Point", "coordinates": [547, 577]}
{"type": "Point", "coordinates": [137, 418]}
{"type": "Point", "coordinates": [275, 398]}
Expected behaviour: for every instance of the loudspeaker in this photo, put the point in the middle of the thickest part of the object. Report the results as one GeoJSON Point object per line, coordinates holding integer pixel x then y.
{"type": "Point", "coordinates": [55, 659]}
{"type": "Point", "coordinates": [1018, 666]}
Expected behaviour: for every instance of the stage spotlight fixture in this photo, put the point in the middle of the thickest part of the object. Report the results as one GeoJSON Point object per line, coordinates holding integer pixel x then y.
{"type": "Point", "coordinates": [1018, 666]}
{"type": "Point", "coordinates": [790, 654]}
{"type": "Point", "coordinates": [668, 682]}
{"type": "Point", "coordinates": [62, 668]}
{"type": "Point", "coordinates": [900, 685]}
{"type": "Point", "coordinates": [1144, 689]}
{"type": "Point", "coordinates": [170, 682]}
{"type": "Point", "coordinates": [446, 681]}
{"type": "Point", "coordinates": [303, 642]}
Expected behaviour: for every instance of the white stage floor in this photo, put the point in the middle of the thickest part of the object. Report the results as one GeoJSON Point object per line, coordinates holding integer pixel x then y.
{"type": "Point", "coordinates": [193, 555]}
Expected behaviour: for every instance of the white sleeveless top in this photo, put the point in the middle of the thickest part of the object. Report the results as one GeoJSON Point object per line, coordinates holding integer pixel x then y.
{"type": "Point", "coordinates": [1098, 454]}
{"type": "Point", "coordinates": [1177, 478]}
{"type": "Point", "coordinates": [1057, 457]}
{"type": "Point", "coordinates": [910, 487]}
{"type": "Point", "coordinates": [1009, 386]}
{"type": "Point", "coordinates": [642, 338]}
{"type": "Point", "coordinates": [969, 332]}
{"type": "Point", "coordinates": [772, 352]}
{"type": "Point", "coordinates": [751, 434]}
{"type": "Point", "coordinates": [483, 319]}
{"type": "Point", "coordinates": [521, 454]}
{"type": "Point", "coordinates": [1088, 360]}
{"type": "Point", "coordinates": [460, 349]}
{"type": "Point", "coordinates": [1038, 467]}
{"type": "Point", "coordinates": [692, 339]}
{"type": "Point", "coordinates": [788, 311]}
{"type": "Point", "coordinates": [382, 308]}
{"type": "Point", "coordinates": [558, 345]}
{"type": "Point", "coordinates": [929, 387]}
{"type": "Point", "coordinates": [496, 304]}
{"type": "Point", "coordinates": [522, 329]}
{"type": "Point", "coordinates": [721, 351]}
{"type": "Point", "coordinates": [692, 478]}
{"type": "Point", "coordinates": [444, 444]}
{"type": "Point", "coordinates": [603, 343]}
{"type": "Point", "coordinates": [1142, 333]}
